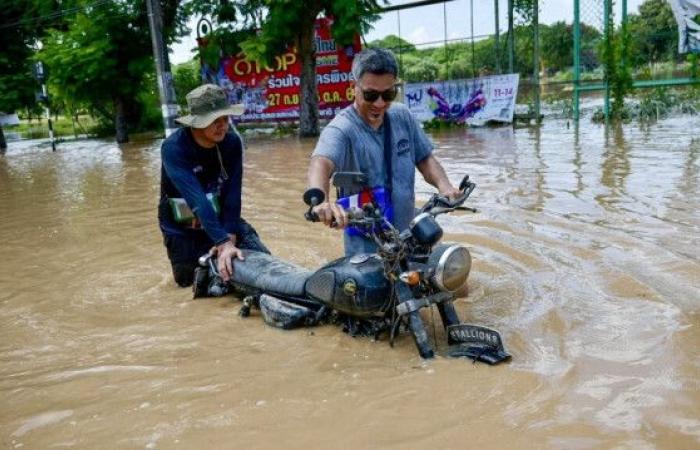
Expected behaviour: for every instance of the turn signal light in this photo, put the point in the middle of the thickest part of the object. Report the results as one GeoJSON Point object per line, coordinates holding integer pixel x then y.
{"type": "Point", "coordinates": [411, 278]}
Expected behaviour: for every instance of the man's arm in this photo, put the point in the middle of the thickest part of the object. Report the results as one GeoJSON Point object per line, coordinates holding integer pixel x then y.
{"type": "Point", "coordinates": [319, 174]}
{"type": "Point", "coordinates": [433, 173]}
{"type": "Point", "coordinates": [231, 208]}
{"type": "Point", "coordinates": [232, 187]}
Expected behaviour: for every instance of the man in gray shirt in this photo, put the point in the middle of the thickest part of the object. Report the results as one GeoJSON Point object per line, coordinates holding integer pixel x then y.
{"type": "Point", "coordinates": [354, 141]}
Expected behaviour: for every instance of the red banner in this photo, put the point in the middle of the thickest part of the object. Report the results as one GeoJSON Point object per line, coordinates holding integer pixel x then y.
{"type": "Point", "coordinates": [272, 93]}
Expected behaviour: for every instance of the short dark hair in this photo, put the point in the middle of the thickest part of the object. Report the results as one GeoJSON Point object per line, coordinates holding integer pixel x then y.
{"type": "Point", "coordinates": [378, 61]}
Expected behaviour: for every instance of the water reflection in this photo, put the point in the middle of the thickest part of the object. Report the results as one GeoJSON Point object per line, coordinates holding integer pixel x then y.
{"type": "Point", "coordinates": [578, 162]}
{"type": "Point", "coordinates": [615, 167]}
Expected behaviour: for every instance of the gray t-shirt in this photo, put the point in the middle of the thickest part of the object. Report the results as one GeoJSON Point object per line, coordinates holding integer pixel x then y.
{"type": "Point", "coordinates": [354, 146]}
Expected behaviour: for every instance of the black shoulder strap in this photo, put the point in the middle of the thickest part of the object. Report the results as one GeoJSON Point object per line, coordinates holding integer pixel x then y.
{"type": "Point", "coordinates": [387, 151]}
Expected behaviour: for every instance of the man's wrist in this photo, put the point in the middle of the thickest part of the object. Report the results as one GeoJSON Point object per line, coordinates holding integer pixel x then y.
{"type": "Point", "coordinates": [223, 243]}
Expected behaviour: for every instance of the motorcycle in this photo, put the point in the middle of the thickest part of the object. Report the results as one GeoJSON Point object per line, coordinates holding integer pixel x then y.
{"type": "Point", "coordinates": [370, 294]}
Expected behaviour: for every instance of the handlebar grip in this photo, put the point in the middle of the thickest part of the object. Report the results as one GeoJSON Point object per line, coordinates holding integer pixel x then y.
{"type": "Point", "coordinates": [311, 216]}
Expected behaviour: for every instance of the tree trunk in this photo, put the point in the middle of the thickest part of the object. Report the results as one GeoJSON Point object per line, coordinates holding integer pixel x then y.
{"type": "Point", "coordinates": [308, 113]}
{"type": "Point", "coordinates": [120, 121]}
{"type": "Point", "coordinates": [3, 142]}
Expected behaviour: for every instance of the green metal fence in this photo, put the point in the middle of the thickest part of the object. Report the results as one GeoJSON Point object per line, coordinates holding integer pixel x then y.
{"type": "Point", "coordinates": [590, 74]}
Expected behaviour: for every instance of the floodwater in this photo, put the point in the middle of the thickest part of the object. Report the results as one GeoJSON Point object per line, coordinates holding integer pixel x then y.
{"type": "Point", "coordinates": [585, 251]}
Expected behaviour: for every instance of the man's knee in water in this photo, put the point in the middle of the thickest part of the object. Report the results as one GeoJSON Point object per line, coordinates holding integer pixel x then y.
{"type": "Point", "coordinates": [183, 274]}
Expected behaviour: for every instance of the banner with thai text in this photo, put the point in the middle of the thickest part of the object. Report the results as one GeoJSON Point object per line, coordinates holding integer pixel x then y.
{"type": "Point", "coordinates": [272, 93]}
{"type": "Point", "coordinates": [475, 101]}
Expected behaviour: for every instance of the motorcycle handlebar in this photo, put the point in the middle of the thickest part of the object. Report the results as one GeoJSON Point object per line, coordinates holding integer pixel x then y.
{"type": "Point", "coordinates": [439, 204]}
{"type": "Point", "coordinates": [356, 216]}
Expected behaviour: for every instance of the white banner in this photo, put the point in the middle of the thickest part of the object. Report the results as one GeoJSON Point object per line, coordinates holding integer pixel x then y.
{"type": "Point", "coordinates": [474, 101]}
{"type": "Point", "coordinates": [686, 12]}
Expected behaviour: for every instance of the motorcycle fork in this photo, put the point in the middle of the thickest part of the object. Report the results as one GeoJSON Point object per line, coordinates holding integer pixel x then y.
{"type": "Point", "coordinates": [415, 322]}
{"type": "Point", "coordinates": [448, 314]}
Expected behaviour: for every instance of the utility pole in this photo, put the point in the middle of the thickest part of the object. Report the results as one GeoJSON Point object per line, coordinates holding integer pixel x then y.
{"type": "Point", "coordinates": [511, 38]}
{"type": "Point", "coordinates": [498, 38]}
{"type": "Point", "coordinates": [165, 78]}
{"type": "Point", "coordinates": [44, 98]}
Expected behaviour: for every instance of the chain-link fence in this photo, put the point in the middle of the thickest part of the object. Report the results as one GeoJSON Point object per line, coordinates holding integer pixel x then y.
{"type": "Point", "coordinates": [506, 36]}
{"type": "Point", "coordinates": [642, 53]}
{"type": "Point", "coordinates": [479, 38]}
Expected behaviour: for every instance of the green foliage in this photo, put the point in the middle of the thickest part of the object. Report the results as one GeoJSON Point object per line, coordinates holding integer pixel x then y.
{"type": "Point", "coordinates": [657, 103]}
{"type": "Point", "coordinates": [615, 53]}
{"type": "Point", "coordinates": [282, 24]}
{"type": "Point", "coordinates": [417, 69]}
{"type": "Point", "coordinates": [557, 45]}
{"type": "Point", "coordinates": [655, 33]}
{"type": "Point", "coordinates": [524, 9]}
{"type": "Point", "coordinates": [185, 78]}
{"type": "Point", "coordinates": [94, 53]}
{"type": "Point", "coordinates": [694, 61]}
{"type": "Point", "coordinates": [393, 43]}
{"type": "Point", "coordinates": [19, 33]}
{"type": "Point", "coordinates": [102, 58]}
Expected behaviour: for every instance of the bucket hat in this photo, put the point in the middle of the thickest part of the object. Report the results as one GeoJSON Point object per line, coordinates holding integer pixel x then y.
{"type": "Point", "coordinates": [206, 104]}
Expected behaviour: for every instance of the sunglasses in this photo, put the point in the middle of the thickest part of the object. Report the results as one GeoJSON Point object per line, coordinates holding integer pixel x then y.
{"type": "Point", "coordinates": [372, 95]}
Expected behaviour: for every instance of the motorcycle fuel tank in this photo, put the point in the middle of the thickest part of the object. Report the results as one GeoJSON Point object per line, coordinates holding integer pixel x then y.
{"type": "Point", "coordinates": [353, 285]}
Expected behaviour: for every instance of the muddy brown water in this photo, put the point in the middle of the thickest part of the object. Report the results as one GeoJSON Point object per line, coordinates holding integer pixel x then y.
{"type": "Point", "coordinates": [585, 251]}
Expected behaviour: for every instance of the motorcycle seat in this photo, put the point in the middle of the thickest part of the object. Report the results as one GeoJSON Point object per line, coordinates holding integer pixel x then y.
{"type": "Point", "coordinates": [270, 274]}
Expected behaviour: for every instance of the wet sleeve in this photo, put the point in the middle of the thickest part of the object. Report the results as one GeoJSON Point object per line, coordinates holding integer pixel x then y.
{"type": "Point", "coordinates": [333, 144]}
{"type": "Point", "coordinates": [179, 168]}
{"type": "Point", "coordinates": [232, 187]}
{"type": "Point", "coordinates": [421, 142]}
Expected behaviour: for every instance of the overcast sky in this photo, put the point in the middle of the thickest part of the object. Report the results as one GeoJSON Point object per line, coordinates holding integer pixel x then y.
{"type": "Point", "coordinates": [427, 23]}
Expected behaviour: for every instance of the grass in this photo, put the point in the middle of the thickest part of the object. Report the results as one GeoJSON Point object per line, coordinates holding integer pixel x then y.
{"type": "Point", "coordinates": [62, 127]}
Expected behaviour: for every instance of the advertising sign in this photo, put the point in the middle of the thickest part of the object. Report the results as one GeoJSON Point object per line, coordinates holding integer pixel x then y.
{"type": "Point", "coordinates": [273, 92]}
{"type": "Point", "coordinates": [475, 101]}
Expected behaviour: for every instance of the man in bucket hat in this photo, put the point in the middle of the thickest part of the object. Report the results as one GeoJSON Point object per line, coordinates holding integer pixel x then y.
{"type": "Point", "coordinates": [200, 194]}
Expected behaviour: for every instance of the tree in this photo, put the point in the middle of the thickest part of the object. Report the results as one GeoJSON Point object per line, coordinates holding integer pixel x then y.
{"type": "Point", "coordinates": [393, 43]}
{"type": "Point", "coordinates": [655, 32]}
{"type": "Point", "coordinates": [418, 69]}
{"type": "Point", "coordinates": [101, 56]}
{"type": "Point", "coordinates": [17, 85]}
{"type": "Point", "coordinates": [185, 78]}
{"type": "Point", "coordinates": [284, 23]}
{"type": "Point", "coordinates": [557, 44]}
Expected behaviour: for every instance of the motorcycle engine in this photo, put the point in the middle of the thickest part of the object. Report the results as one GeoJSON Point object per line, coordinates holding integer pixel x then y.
{"type": "Point", "coordinates": [452, 264]}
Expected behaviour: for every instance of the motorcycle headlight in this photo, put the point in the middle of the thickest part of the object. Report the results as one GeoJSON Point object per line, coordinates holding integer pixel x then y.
{"type": "Point", "coordinates": [452, 265]}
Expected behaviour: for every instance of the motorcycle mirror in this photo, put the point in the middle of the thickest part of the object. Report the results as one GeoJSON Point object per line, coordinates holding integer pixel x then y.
{"type": "Point", "coordinates": [350, 182]}
{"type": "Point", "coordinates": [465, 182]}
{"type": "Point", "coordinates": [314, 196]}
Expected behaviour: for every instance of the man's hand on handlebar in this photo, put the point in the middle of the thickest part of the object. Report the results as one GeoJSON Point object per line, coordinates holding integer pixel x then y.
{"type": "Point", "coordinates": [331, 214]}
{"type": "Point", "coordinates": [224, 259]}
{"type": "Point", "coordinates": [451, 193]}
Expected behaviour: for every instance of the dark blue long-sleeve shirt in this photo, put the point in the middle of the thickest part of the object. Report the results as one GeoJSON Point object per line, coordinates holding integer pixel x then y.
{"type": "Point", "coordinates": [190, 171]}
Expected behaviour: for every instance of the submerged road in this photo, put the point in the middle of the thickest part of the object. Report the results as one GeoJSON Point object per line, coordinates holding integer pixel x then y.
{"type": "Point", "coordinates": [586, 257]}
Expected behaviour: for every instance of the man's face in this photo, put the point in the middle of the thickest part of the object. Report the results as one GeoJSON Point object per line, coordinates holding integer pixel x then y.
{"type": "Point", "coordinates": [214, 133]}
{"type": "Point", "coordinates": [373, 112]}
